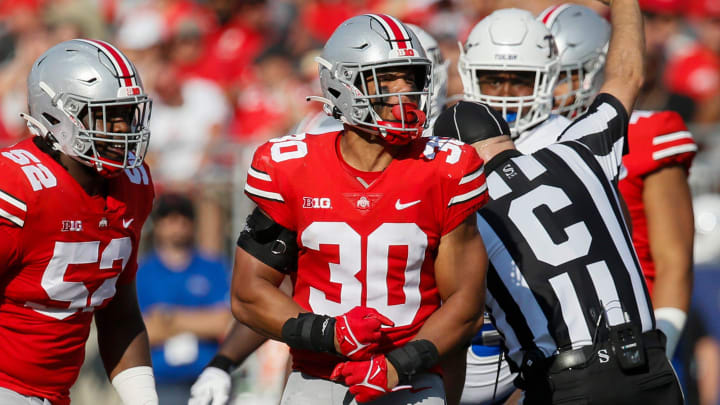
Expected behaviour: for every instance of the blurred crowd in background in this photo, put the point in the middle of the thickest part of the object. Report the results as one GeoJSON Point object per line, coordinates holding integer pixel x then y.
{"type": "Point", "coordinates": [226, 75]}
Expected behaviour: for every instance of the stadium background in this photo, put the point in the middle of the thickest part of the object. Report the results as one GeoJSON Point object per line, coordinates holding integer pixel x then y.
{"type": "Point", "coordinates": [227, 75]}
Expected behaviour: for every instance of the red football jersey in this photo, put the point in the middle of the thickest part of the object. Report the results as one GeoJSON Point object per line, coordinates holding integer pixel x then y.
{"type": "Point", "coordinates": [656, 140]}
{"type": "Point", "coordinates": [61, 254]}
{"type": "Point", "coordinates": [366, 242]}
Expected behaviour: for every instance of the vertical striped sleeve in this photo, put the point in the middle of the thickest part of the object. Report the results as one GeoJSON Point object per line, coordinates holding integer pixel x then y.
{"type": "Point", "coordinates": [603, 130]}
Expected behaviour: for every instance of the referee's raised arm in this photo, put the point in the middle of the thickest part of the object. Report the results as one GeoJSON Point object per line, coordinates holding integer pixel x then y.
{"type": "Point", "coordinates": [625, 67]}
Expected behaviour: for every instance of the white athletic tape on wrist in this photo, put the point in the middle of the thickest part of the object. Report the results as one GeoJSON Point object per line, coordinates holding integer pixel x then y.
{"type": "Point", "coordinates": [671, 322]}
{"type": "Point", "coordinates": [136, 386]}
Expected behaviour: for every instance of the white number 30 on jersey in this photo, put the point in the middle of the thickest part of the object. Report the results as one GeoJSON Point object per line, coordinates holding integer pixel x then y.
{"type": "Point", "coordinates": [344, 272]}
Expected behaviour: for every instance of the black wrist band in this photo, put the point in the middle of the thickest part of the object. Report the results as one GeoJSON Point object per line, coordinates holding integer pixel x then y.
{"type": "Point", "coordinates": [222, 362]}
{"type": "Point", "coordinates": [310, 332]}
{"type": "Point", "coordinates": [414, 357]}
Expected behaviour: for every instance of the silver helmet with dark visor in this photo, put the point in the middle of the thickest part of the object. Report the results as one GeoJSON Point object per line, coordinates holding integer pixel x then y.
{"type": "Point", "coordinates": [76, 91]}
{"type": "Point", "coordinates": [360, 49]}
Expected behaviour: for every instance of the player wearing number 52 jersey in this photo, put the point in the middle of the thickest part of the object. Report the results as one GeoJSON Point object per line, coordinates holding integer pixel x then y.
{"type": "Point", "coordinates": [59, 264]}
{"type": "Point", "coordinates": [376, 226]}
{"type": "Point", "coordinates": [73, 200]}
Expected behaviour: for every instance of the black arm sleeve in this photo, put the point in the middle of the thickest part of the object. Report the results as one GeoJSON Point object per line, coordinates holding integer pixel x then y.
{"type": "Point", "coordinates": [269, 242]}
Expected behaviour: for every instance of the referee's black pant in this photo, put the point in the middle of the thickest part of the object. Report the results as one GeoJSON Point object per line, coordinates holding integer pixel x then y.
{"type": "Point", "coordinates": [600, 380]}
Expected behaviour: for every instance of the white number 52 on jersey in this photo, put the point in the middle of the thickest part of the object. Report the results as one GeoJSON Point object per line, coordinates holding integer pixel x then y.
{"type": "Point", "coordinates": [75, 292]}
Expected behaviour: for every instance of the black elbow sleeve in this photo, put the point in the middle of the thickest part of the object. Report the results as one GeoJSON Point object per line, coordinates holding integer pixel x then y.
{"type": "Point", "coordinates": [269, 242]}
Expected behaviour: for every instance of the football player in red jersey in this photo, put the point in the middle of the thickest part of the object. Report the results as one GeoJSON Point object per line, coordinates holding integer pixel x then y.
{"type": "Point", "coordinates": [655, 188]}
{"type": "Point", "coordinates": [214, 385]}
{"type": "Point", "coordinates": [658, 196]}
{"type": "Point", "coordinates": [375, 225]}
{"type": "Point", "coordinates": [73, 200]}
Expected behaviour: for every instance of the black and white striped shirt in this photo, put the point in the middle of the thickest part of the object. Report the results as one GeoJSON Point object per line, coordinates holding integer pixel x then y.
{"type": "Point", "coordinates": [560, 252]}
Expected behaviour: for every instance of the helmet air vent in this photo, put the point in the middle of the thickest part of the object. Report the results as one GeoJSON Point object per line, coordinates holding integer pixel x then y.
{"type": "Point", "coordinates": [52, 120]}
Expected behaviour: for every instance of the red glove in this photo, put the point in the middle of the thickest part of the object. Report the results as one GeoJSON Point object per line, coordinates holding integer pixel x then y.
{"type": "Point", "coordinates": [358, 332]}
{"type": "Point", "coordinates": [367, 379]}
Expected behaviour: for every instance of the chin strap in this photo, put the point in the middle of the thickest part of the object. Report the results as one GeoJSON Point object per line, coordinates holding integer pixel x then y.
{"type": "Point", "coordinates": [320, 99]}
{"type": "Point", "coordinates": [38, 129]}
{"type": "Point", "coordinates": [329, 108]}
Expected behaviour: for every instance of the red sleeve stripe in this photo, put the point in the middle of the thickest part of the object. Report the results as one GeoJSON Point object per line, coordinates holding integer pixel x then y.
{"type": "Point", "coordinates": [468, 196]}
{"type": "Point", "coordinates": [13, 201]}
{"type": "Point", "coordinates": [671, 137]}
{"type": "Point", "coordinates": [258, 174]}
{"type": "Point", "coordinates": [472, 176]}
{"type": "Point", "coordinates": [268, 195]}
{"type": "Point", "coordinates": [675, 150]}
{"type": "Point", "coordinates": [12, 218]}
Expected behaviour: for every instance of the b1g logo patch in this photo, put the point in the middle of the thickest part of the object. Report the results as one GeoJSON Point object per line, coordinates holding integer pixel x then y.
{"type": "Point", "coordinates": [316, 202]}
{"type": "Point", "coordinates": [71, 226]}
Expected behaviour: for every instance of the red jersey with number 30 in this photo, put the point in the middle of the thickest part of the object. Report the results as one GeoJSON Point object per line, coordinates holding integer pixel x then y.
{"type": "Point", "coordinates": [656, 140]}
{"type": "Point", "coordinates": [62, 252]}
{"type": "Point", "coordinates": [361, 244]}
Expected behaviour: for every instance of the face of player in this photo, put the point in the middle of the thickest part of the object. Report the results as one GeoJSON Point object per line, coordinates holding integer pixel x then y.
{"type": "Point", "coordinates": [392, 80]}
{"type": "Point", "coordinates": [506, 84]}
{"type": "Point", "coordinates": [117, 119]}
{"type": "Point", "coordinates": [566, 85]}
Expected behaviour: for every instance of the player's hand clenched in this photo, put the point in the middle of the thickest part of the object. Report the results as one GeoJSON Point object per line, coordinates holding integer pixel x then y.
{"type": "Point", "coordinates": [358, 332]}
{"type": "Point", "coordinates": [368, 380]}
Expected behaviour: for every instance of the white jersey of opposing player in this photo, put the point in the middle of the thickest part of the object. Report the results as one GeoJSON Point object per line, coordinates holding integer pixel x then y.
{"type": "Point", "coordinates": [542, 135]}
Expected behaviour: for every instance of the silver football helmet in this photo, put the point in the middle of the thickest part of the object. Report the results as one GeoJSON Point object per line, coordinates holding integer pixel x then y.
{"type": "Point", "coordinates": [74, 88]}
{"type": "Point", "coordinates": [582, 38]}
{"type": "Point", "coordinates": [357, 51]}
{"type": "Point", "coordinates": [511, 40]}
{"type": "Point", "coordinates": [438, 93]}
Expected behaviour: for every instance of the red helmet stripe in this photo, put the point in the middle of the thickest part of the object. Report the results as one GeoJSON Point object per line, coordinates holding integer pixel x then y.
{"type": "Point", "coordinates": [123, 67]}
{"type": "Point", "coordinates": [397, 31]}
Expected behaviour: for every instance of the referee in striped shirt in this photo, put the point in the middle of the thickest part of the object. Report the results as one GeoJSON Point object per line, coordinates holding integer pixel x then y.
{"type": "Point", "coordinates": [565, 287]}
